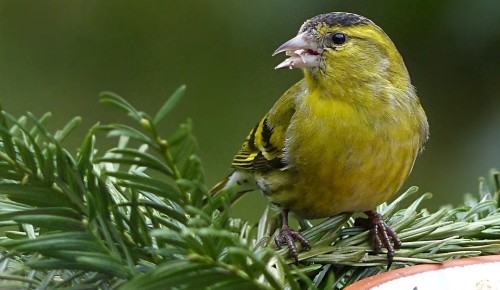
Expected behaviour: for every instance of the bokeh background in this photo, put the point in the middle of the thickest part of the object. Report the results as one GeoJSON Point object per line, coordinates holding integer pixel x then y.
{"type": "Point", "coordinates": [59, 55]}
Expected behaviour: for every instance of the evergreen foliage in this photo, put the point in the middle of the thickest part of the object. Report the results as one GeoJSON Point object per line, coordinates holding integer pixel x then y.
{"type": "Point", "coordinates": [139, 216]}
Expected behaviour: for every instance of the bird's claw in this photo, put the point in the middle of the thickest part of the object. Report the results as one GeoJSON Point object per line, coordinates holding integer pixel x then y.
{"type": "Point", "coordinates": [381, 235]}
{"type": "Point", "coordinates": [289, 237]}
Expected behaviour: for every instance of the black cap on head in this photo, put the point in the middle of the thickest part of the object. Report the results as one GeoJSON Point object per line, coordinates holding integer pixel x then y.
{"type": "Point", "coordinates": [342, 19]}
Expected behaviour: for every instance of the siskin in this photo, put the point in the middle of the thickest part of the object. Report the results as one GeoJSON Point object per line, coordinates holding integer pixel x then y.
{"type": "Point", "coordinates": [342, 139]}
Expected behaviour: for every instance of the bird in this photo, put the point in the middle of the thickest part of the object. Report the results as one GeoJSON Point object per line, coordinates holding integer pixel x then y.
{"type": "Point", "coordinates": [344, 138]}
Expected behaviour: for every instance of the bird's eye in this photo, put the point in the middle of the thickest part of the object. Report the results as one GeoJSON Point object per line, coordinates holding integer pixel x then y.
{"type": "Point", "coordinates": [339, 38]}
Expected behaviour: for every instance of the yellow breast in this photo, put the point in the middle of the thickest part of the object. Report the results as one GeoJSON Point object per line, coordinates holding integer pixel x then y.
{"type": "Point", "coordinates": [345, 157]}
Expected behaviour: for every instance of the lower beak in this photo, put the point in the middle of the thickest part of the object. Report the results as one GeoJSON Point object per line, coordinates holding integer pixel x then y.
{"type": "Point", "coordinates": [303, 51]}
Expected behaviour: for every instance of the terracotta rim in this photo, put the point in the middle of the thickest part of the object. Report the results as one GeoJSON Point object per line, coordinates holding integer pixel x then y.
{"type": "Point", "coordinates": [381, 278]}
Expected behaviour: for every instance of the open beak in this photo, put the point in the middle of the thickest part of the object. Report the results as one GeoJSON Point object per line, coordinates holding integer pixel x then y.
{"type": "Point", "coordinates": [303, 52]}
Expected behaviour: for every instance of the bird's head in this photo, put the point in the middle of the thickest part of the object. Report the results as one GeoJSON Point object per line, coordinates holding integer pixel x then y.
{"type": "Point", "coordinates": [345, 49]}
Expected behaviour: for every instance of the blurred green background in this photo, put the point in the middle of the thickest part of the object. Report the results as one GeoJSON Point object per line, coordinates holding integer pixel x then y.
{"type": "Point", "coordinates": [58, 55]}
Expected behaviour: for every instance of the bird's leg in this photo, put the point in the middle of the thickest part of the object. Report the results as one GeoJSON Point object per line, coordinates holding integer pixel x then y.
{"type": "Point", "coordinates": [381, 235]}
{"type": "Point", "coordinates": [289, 237]}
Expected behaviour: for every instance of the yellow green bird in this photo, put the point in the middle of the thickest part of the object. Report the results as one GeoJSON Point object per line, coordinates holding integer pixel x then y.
{"type": "Point", "coordinates": [342, 139]}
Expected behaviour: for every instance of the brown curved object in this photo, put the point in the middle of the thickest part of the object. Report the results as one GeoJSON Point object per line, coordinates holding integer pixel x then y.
{"type": "Point", "coordinates": [382, 278]}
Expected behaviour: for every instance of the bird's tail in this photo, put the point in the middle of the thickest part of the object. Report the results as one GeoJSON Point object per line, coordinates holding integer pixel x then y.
{"type": "Point", "coordinates": [242, 181]}
{"type": "Point", "coordinates": [221, 185]}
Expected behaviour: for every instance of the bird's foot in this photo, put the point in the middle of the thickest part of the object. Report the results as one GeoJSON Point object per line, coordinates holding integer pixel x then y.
{"type": "Point", "coordinates": [381, 235]}
{"type": "Point", "coordinates": [288, 237]}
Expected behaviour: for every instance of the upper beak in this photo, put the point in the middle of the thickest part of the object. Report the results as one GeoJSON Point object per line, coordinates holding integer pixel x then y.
{"type": "Point", "coordinates": [303, 51]}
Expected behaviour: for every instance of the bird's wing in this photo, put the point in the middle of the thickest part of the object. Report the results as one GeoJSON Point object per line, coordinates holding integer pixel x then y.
{"type": "Point", "coordinates": [263, 147]}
